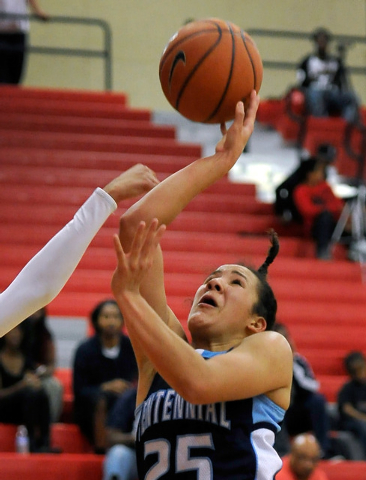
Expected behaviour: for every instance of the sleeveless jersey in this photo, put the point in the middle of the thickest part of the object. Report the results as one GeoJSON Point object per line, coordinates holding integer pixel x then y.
{"type": "Point", "coordinates": [220, 441]}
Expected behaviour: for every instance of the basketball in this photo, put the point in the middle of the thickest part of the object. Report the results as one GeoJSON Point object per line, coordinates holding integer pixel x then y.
{"type": "Point", "coordinates": [207, 67]}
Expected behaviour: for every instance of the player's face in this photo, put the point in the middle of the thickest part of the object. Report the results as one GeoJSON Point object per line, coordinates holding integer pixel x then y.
{"type": "Point", "coordinates": [110, 319]}
{"type": "Point", "coordinates": [225, 300]}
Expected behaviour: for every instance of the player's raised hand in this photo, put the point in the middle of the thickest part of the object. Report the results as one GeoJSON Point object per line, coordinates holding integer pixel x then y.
{"type": "Point", "coordinates": [236, 137]}
{"type": "Point", "coordinates": [132, 266]}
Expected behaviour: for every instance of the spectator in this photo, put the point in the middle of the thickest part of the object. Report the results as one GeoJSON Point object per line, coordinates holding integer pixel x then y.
{"type": "Point", "coordinates": [352, 397]}
{"type": "Point", "coordinates": [40, 347]}
{"type": "Point", "coordinates": [308, 407]}
{"type": "Point", "coordinates": [319, 207]}
{"type": "Point", "coordinates": [324, 79]}
{"type": "Point", "coordinates": [284, 205]}
{"type": "Point", "coordinates": [120, 461]}
{"type": "Point", "coordinates": [302, 462]}
{"type": "Point", "coordinates": [23, 401]}
{"type": "Point", "coordinates": [13, 38]}
{"type": "Point", "coordinates": [104, 368]}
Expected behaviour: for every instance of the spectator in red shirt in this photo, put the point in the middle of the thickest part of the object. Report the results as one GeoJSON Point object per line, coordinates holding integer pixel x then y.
{"type": "Point", "coordinates": [319, 207]}
{"type": "Point", "coordinates": [302, 462]}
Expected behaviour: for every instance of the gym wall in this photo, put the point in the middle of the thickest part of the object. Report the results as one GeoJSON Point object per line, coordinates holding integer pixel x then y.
{"type": "Point", "coordinates": [141, 28]}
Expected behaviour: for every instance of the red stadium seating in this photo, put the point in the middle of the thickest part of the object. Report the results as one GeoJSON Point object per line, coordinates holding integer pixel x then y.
{"type": "Point", "coordinates": [45, 466]}
{"type": "Point", "coordinates": [47, 172]}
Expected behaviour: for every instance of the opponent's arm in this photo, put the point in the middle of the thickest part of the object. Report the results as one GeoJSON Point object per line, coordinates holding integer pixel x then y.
{"type": "Point", "coordinates": [47, 272]}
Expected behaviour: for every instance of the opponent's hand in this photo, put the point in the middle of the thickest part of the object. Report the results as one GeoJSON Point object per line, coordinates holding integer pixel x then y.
{"type": "Point", "coordinates": [236, 137]}
{"type": "Point", "coordinates": [132, 266]}
{"type": "Point", "coordinates": [135, 181]}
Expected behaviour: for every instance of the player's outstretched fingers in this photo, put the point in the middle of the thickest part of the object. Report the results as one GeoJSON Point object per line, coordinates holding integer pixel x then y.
{"type": "Point", "coordinates": [251, 110]}
{"type": "Point", "coordinates": [239, 114]}
{"type": "Point", "coordinates": [152, 239]}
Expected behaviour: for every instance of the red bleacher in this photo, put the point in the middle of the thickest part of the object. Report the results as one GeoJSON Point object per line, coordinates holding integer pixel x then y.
{"type": "Point", "coordinates": [57, 146]}
{"type": "Point", "coordinates": [318, 130]}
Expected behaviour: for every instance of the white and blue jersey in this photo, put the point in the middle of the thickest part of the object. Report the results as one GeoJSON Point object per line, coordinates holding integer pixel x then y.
{"type": "Point", "coordinates": [219, 441]}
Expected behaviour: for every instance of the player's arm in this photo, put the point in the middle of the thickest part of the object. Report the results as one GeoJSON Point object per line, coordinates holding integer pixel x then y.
{"type": "Point", "coordinates": [47, 272]}
{"type": "Point", "coordinates": [172, 195]}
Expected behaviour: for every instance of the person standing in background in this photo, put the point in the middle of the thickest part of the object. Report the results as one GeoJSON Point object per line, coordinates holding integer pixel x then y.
{"type": "Point", "coordinates": [13, 37]}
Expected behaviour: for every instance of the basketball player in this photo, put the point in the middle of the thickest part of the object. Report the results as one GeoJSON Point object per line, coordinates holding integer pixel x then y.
{"type": "Point", "coordinates": [45, 275]}
{"type": "Point", "coordinates": [208, 410]}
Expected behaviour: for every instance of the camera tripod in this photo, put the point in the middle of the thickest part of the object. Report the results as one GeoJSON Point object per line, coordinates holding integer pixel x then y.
{"type": "Point", "coordinates": [354, 211]}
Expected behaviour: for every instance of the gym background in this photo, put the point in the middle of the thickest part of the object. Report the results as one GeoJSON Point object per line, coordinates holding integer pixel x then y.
{"type": "Point", "coordinates": [141, 29]}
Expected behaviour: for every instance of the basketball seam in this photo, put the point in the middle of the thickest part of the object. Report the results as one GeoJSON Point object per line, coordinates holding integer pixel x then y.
{"type": "Point", "coordinates": [229, 77]}
{"type": "Point", "coordinates": [198, 64]}
{"type": "Point", "coordinates": [242, 34]}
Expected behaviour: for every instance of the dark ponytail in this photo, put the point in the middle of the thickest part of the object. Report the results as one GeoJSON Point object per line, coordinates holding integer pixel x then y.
{"type": "Point", "coordinates": [266, 305]}
{"type": "Point", "coordinates": [272, 253]}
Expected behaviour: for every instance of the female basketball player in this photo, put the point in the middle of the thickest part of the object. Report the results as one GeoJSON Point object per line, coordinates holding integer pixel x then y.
{"type": "Point", "coordinates": [44, 276]}
{"type": "Point", "coordinates": [208, 410]}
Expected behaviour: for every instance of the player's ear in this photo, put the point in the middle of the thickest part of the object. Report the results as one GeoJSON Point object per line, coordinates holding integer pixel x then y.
{"type": "Point", "coordinates": [257, 324]}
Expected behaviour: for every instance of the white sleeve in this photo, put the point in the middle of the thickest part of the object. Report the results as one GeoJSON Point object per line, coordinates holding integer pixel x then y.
{"type": "Point", "coordinates": [46, 273]}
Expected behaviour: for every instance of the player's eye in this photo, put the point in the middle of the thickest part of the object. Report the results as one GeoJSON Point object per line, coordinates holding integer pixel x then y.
{"type": "Point", "coordinates": [237, 282]}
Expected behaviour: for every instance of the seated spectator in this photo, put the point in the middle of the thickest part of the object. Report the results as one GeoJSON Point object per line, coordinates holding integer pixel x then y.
{"type": "Point", "coordinates": [307, 411]}
{"type": "Point", "coordinates": [318, 205]}
{"type": "Point", "coordinates": [104, 368]}
{"type": "Point", "coordinates": [23, 401]}
{"type": "Point", "coordinates": [284, 206]}
{"type": "Point", "coordinates": [352, 397]}
{"type": "Point", "coordinates": [40, 348]}
{"type": "Point", "coordinates": [324, 80]}
{"type": "Point", "coordinates": [120, 461]}
{"type": "Point", "coordinates": [302, 462]}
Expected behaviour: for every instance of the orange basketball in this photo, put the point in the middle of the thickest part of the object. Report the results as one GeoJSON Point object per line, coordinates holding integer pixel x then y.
{"type": "Point", "coordinates": [207, 67]}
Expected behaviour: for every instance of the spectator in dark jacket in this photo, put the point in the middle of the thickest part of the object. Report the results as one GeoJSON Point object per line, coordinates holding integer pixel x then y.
{"type": "Point", "coordinates": [104, 368]}
{"type": "Point", "coordinates": [325, 82]}
{"type": "Point", "coordinates": [352, 397]}
{"type": "Point", "coordinates": [307, 411]}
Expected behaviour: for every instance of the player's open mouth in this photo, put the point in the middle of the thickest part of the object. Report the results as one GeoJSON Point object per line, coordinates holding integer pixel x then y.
{"type": "Point", "coordinates": [207, 299]}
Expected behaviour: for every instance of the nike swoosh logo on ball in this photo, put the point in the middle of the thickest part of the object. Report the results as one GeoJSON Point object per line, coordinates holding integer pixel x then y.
{"type": "Point", "coordinates": [179, 57]}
